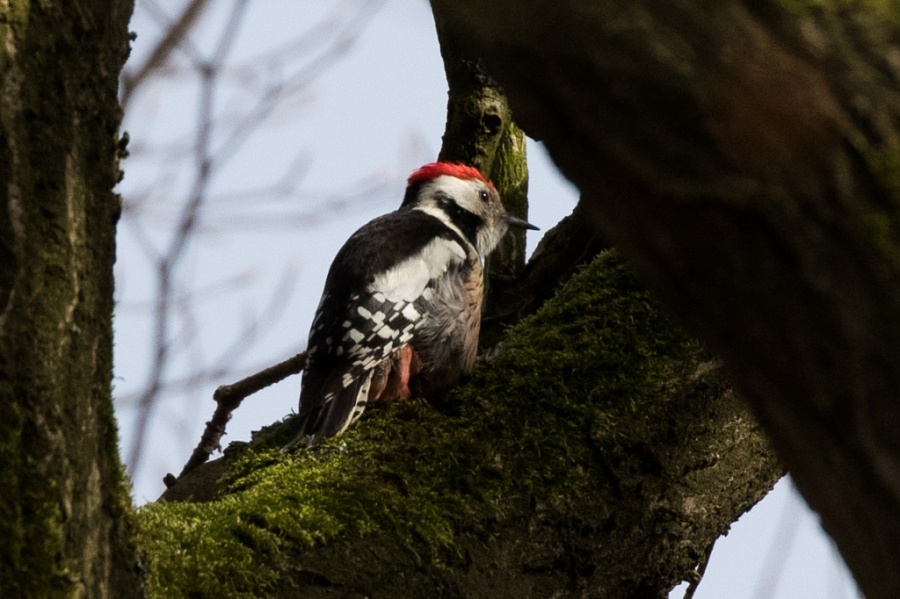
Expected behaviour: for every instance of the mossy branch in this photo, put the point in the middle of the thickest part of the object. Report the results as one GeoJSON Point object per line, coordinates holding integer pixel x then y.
{"type": "Point", "coordinates": [600, 448]}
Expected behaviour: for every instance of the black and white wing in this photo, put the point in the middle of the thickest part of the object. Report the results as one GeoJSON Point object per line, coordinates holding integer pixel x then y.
{"type": "Point", "coordinates": [368, 312]}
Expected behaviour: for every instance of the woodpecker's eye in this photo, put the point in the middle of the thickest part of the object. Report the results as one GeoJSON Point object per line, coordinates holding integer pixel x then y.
{"type": "Point", "coordinates": [484, 195]}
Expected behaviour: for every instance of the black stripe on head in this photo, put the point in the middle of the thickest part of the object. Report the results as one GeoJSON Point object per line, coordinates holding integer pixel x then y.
{"type": "Point", "coordinates": [467, 222]}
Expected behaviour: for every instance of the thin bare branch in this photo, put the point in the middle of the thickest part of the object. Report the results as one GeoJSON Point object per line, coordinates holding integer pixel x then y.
{"type": "Point", "coordinates": [700, 571]}
{"type": "Point", "coordinates": [272, 96]}
{"type": "Point", "coordinates": [220, 132]}
{"type": "Point", "coordinates": [190, 216]}
{"type": "Point", "coordinates": [173, 37]}
{"type": "Point", "coordinates": [228, 398]}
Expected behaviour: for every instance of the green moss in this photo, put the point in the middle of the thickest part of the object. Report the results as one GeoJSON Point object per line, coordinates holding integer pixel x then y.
{"type": "Point", "coordinates": [881, 226]}
{"type": "Point", "coordinates": [884, 164]}
{"type": "Point", "coordinates": [418, 475]}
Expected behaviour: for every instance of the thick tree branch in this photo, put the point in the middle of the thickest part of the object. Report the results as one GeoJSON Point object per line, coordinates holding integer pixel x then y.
{"type": "Point", "coordinates": [564, 249]}
{"type": "Point", "coordinates": [481, 131]}
{"type": "Point", "coordinates": [744, 156]}
{"type": "Point", "coordinates": [598, 455]}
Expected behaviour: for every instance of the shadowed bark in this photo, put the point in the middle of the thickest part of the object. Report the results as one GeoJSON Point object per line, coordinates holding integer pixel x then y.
{"type": "Point", "coordinates": [744, 156]}
{"type": "Point", "coordinates": [65, 513]}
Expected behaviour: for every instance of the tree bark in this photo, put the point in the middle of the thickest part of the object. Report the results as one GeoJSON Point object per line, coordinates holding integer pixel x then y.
{"type": "Point", "coordinates": [65, 511]}
{"type": "Point", "coordinates": [482, 132]}
{"type": "Point", "coordinates": [744, 156]}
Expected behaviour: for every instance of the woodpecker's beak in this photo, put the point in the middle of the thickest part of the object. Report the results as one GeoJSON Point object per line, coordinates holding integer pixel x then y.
{"type": "Point", "coordinates": [512, 221]}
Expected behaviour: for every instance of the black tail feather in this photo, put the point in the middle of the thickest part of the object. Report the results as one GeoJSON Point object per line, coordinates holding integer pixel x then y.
{"type": "Point", "coordinates": [337, 408]}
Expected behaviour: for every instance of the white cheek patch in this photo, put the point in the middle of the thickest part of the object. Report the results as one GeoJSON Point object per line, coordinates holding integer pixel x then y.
{"type": "Point", "coordinates": [464, 191]}
{"type": "Point", "coordinates": [407, 280]}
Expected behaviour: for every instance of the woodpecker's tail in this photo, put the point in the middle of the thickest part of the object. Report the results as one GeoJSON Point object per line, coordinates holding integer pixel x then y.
{"type": "Point", "coordinates": [330, 409]}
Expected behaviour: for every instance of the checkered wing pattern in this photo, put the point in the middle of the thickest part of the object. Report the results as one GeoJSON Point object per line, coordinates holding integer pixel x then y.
{"type": "Point", "coordinates": [345, 346]}
{"type": "Point", "coordinates": [369, 312]}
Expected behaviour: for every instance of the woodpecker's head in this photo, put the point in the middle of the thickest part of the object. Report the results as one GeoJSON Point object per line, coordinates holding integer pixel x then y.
{"type": "Point", "coordinates": [464, 200]}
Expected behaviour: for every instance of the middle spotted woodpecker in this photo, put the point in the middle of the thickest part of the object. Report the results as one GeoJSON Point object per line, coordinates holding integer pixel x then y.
{"type": "Point", "coordinates": [402, 300]}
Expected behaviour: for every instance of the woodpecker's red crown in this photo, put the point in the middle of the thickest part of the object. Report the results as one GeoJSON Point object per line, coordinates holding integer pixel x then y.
{"type": "Point", "coordinates": [432, 171]}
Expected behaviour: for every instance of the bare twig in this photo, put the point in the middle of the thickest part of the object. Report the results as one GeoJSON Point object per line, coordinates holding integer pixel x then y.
{"type": "Point", "coordinates": [224, 365]}
{"type": "Point", "coordinates": [701, 570]}
{"type": "Point", "coordinates": [273, 95]}
{"type": "Point", "coordinates": [228, 398]}
{"type": "Point", "coordinates": [189, 218]}
{"type": "Point", "coordinates": [175, 33]}
{"type": "Point", "coordinates": [779, 550]}
{"type": "Point", "coordinates": [216, 138]}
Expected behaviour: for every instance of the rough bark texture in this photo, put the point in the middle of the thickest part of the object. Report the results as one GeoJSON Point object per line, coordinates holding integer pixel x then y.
{"type": "Point", "coordinates": [745, 156]}
{"type": "Point", "coordinates": [65, 511]}
{"type": "Point", "coordinates": [598, 455]}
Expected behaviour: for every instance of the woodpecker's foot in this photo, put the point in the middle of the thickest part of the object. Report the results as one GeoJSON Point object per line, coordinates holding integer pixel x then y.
{"type": "Point", "coordinates": [394, 379]}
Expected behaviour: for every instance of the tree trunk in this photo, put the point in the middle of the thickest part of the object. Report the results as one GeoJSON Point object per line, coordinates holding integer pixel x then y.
{"type": "Point", "coordinates": [744, 156]}
{"type": "Point", "coordinates": [65, 510]}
